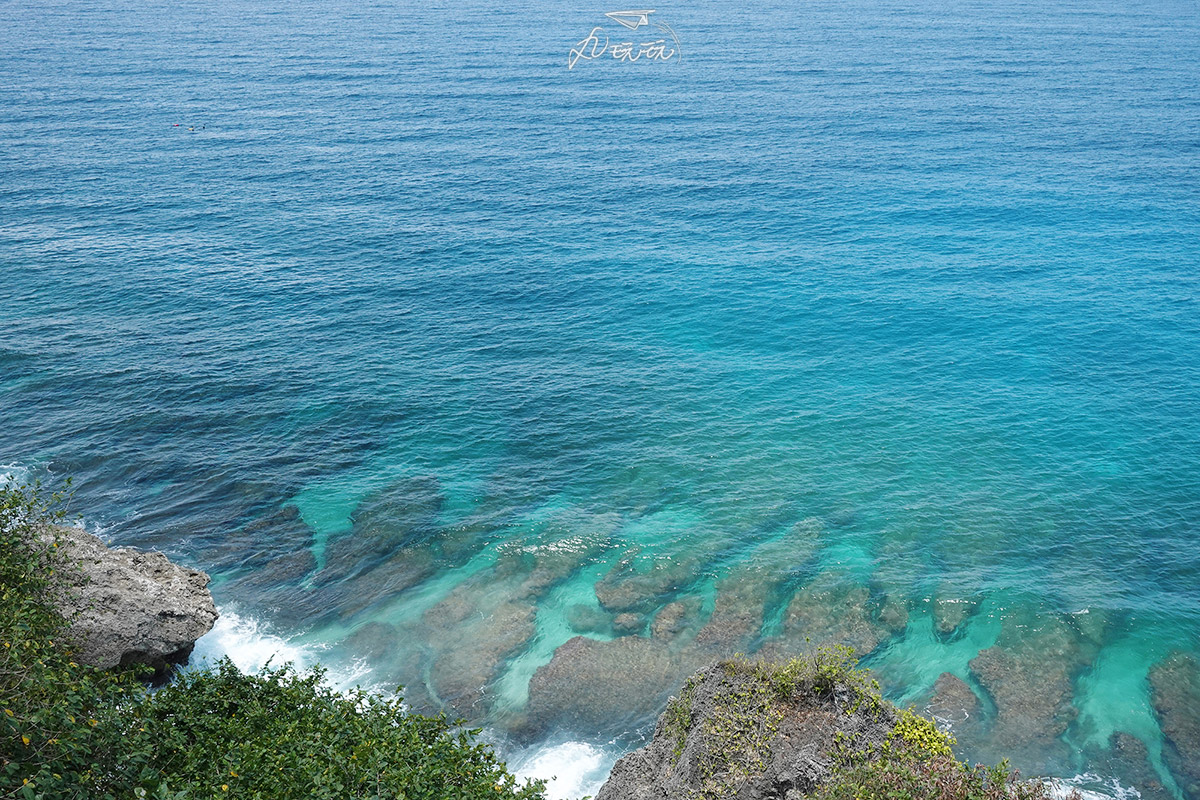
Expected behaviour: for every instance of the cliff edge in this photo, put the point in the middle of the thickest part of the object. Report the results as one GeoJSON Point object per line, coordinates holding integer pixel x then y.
{"type": "Point", "coordinates": [752, 730]}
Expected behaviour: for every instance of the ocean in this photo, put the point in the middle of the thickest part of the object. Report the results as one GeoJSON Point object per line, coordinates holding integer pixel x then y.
{"type": "Point", "coordinates": [534, 379]}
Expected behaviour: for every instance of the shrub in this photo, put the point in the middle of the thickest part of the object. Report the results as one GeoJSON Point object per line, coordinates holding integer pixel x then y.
{"type": "Point", "coordinates": [920, 735]}
{"type": "Point", "coordinates": [916, 763]}
{"type": "Point", "coordinates": [819, 673]}
{"type": "Point", "coordinates": [60, 729]}
{"type": "Point", "coordinates": [279, 734]}
{"type": "Point", "coordinates": [907, 776]}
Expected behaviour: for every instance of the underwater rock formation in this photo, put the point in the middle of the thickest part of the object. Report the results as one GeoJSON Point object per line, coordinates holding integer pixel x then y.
{"type": "Point", "coordinates": [401, 518]}
{"type": "Point", "coordinates": [950, 612]}
{"type": "Point", "coordinates": [737, 615]}
{"type": "Point", "coordinates": [626, 588]}
{"type": "Point", "coordinates": [1028, 675]}
{"type": "Point", "coordinates": [954, 704]}
{"type": "Point", "coordinates": [609, 686]}
{"type": "Point", "coordinates": [1127, 756]}
{"type": "Point", "coordinates": [1176, 694]}
{"type": "Point", "coordinates": [672, 619]}
{"type": "Point", "coordinates": [475, 641]}
{"type": "Point", "coordinates": [808, 622]}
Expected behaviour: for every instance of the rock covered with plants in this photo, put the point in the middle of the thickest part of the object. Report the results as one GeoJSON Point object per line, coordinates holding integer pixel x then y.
{"type": "Point", "coordinates": [811, 727]}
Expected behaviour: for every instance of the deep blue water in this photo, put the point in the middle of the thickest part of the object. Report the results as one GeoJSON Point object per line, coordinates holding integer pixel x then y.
{"type": "Point", "coordinates": [372, 310]}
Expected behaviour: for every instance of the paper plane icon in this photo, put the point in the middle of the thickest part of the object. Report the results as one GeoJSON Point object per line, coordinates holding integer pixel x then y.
{"type": "Point", "coordinates": [631, 19]}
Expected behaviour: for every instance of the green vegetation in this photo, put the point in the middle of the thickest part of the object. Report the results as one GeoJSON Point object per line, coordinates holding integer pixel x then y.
{"type": "Point", "coordinates": [679, 716]}
{"type": "Point", "coordinates": [820, 673]}
{"type": "Point", "coordinates": [916, 762]}
{"type": "Point", "coordinates": [908, 775]}
{"type": "Point", "coordinates": [68, 731]}
{"type": "Point", "coordinates": [920, 735]}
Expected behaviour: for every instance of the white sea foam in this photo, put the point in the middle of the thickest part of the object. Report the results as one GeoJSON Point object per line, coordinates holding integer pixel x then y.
{"type": "Point", "coordinates": [571, 769]}
{"type": "Point", "coordinates": [249, 645]}
{"type": "Point", "coordinates": [1092, 787]}
{"type": "Point", "coordinates": [252, 645]}
{"type": "Point", "coordinates": [13, 474]}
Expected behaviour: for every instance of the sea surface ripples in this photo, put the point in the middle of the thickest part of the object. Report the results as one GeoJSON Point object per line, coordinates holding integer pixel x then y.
{"type": "Point", "coordinates": [534, 389]}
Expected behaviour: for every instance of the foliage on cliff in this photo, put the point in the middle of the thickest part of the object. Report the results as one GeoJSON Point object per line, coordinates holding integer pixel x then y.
{"type": "Point", "coordinates": [916, 763]}
{"type": "Point", "coordinates": [69, 731]}
{"type": "Point", "coordinates": [815, 727]}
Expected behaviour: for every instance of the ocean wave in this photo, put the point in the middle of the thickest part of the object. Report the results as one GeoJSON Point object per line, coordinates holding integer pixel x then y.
{"type": "Point", "coordinates": [570, 769]}
{"type": "Point", "coordinates": [251, 645]}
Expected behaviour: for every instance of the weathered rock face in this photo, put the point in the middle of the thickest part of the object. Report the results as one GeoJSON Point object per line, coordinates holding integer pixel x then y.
{"type": "Point", "coordinates": [728, 735]}
{"type": "Point", "coordinates": [127, 607]}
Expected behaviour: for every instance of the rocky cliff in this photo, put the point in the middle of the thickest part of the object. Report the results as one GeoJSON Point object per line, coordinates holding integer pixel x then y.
{"type": "Point", "coordinates": [128, 607]}
{"type": "Point", "coordinates": [752, 731]}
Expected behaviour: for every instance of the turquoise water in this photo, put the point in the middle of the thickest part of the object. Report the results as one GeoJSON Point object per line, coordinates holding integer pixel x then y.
{"type": "Point", "coordinates": [870, 322]}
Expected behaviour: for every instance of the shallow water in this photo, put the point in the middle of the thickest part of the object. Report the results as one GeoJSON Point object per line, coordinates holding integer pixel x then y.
{"type": "Point", "coordinates": [865, 322]}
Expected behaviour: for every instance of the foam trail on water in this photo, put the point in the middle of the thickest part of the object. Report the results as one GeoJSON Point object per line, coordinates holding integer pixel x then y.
{"type": "Point", "coordinates": [1092, 787]}
{"type": "Point", "coordinates": [571, 769]}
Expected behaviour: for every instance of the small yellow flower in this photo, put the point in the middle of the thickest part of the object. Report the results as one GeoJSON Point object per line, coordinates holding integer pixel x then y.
{"type": "Point", "coordinates": [25, 739]}
{"type": "Point", "coordinates": [224, 787]}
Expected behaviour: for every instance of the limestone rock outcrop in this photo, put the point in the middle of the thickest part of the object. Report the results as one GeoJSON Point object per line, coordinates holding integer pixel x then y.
{"type": "Point", "coordinates": [128, 607]}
